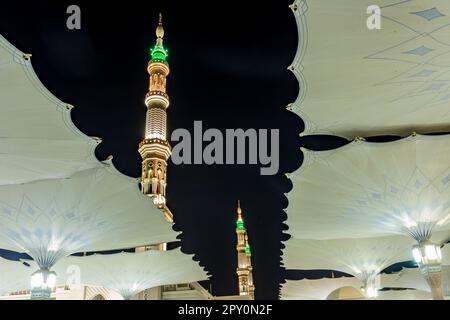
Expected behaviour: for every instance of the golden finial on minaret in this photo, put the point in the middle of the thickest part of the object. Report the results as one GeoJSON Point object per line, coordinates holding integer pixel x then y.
{"type": "Point", "coordinates": [160, 32]}
{"type": "Point", "coordinates": [239, 210]}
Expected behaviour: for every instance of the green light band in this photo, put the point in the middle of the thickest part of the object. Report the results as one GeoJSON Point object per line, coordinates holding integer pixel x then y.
{"type": "Point", "coordinates": [240, 225]}
{"type": "Point", "coordinates": [159, 53]}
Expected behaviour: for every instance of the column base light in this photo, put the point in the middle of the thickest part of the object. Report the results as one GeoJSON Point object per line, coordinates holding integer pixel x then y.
{"type": "Point", "coordinates": [42, 283]}
{"type": "Point", "coordinates": [159, 201]}
{"type": "Point", "coordinates": [428, 257]}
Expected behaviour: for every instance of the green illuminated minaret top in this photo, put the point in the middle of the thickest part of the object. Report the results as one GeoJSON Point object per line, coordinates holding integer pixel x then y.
{"type": "Point", "coordinates": [240, 225]}
{"type": "Point", "coordinates": [247, 246]}
{"type": "Point", "coordinates": [158, 52]}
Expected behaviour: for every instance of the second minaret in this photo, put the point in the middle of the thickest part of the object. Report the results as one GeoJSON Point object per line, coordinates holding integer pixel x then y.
{"type": "Point", "coordinates": [244, 264]}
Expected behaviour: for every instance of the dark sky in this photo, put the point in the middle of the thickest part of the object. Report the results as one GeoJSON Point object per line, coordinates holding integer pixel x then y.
{"type": "Point", "coordinates": [228, 64]}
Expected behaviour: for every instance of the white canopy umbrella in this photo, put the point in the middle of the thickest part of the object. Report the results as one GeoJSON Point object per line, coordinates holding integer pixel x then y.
{"type": "Point", "coordinates": [373, 189]}
{"type": "Point", "coordinates": [38, 139]}
{"type": "Point", "coordinates": [377, 189]}
{"type": "Point", "coordinates": [364, 258]}
{"type": "Point", "coordinates": [355, 257]}
{"type": "Point", "coordinates": [131, 273]}
{"type": "Point", "coordinates": [14, 276]}
{"type": "Point", "coordinates": [358, 81]}
{"type": "Point", "coordinates": [93, 210]}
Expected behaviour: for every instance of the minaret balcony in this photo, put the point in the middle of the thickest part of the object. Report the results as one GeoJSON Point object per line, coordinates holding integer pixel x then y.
{"type": "Point", "coordinates": [242, 271]}
{"type": "Point", "coordinates": [158, 66]}
{"type": "Point", "coordinates": [158, 148]}
{"type": "Point", "coordinates": [157, 97]}
{"type": "Point", "coordinates": [152, 141]}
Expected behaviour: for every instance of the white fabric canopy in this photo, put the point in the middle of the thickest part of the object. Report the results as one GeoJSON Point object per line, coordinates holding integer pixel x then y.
{"type": "Point", "coordinates": [403, 295]}
{"type": "Point", "coordinates": [14, 276]}
{"type": "Point", "coordinates": [411, 278]}
{"type": "Point", "coordinates": [361, 258]}
{"type": "Point", "coordinates": [323, 289]}
{"type": "Point", "coordinates": [96, 209]}
{"type": "Point", "coordinates": [360, 82]}
{"type": "Point", "coordinates": [319, 289]}
{"type": "Point", "coordinates": [131, 273]}
{"type": "Point", "coordinates": [372, 189]}
{"type": "Point", "coordinates": [445, 251]}
{"type": "Point", "coordinates": [38, 139]}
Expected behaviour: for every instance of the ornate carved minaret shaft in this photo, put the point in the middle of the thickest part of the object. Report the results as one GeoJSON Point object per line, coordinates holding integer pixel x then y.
{"type": "Point", "coordinates": [155, 149]}
{"type": "Point", "coordinates": [244, 268]}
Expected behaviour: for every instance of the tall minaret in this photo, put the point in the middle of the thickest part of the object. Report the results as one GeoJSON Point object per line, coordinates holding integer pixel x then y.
{"type": "Point", "coordinates": [155, 149]}
{"type": "Point", "coordinates": [244, 268]}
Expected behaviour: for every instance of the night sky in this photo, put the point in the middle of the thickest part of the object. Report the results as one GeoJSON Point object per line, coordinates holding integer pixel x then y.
{"type": "Point", "coordinates": [228, 64]}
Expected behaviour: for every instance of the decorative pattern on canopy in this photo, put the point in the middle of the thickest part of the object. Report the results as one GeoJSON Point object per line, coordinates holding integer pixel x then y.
{"type": "Point", "coordinates": [38, 139]}
{"type": "Point", "coordinates": [372, 189]}
{"type": "Point", "coordinates": [131, 273]}
{"type": "Point", "coordinates": [93, 210]}
{"type": "Point", "coordinates": [360, 82]}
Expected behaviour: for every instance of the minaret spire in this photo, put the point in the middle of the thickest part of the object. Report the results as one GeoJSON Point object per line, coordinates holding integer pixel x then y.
{"type": "Point", "coordinates": [155, 149]}
{"type": "Point", "coordinates": [239, 210]}
{"type": "Point", "coordinates": [159, 32]}
{"type": "Point", "coordinates": [244, 269]}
